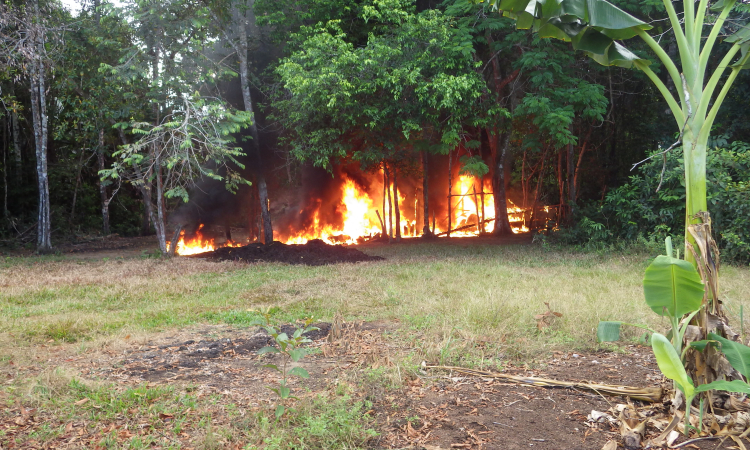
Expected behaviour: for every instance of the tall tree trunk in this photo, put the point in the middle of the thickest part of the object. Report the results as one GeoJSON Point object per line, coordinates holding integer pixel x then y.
{"type": "Point", "coordinates": [578, 164]}
{"type": "Point", "coordinates": [499, 149]}
{"type": "Point", "coordinates": [450, 194]}
{"type": "Point", "coordinates": [425, 196]}
{"type": "Point", "coordinates": [390, 202]}
{"type": "Point", "coordinates": [160, 221]}
{"type": "Point", "coordinates": [257, 159]}
{"type": "Point", "coordinates": [18, 176]}
{"type": "Point", "coordinates": [395, 205]}
{"type": "Point", "coordinates": [560, 186]}
{"type": "Point", "coordinates": [75, 191]}
{"type": "Point", "coordinates": [571, 180]}
{"type": "Point", "coordinates": [537, 188]}
{"type": "Point", "coordinates": [6, 131]}
{"type": "Point", "coordinates": [102, 188]}
{"type": "Point", "coordinates": [39, 112]}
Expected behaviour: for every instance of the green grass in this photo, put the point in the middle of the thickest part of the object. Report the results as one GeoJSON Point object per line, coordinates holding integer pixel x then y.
{"type": "Point", "coordinates": [445, 293]}
{"type": "Point", "coordinates": [103, 415]}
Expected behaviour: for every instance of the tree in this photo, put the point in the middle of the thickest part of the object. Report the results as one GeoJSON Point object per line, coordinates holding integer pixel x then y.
{"type": "Point", "coordinates": [235, 19]}
{"type": "Point", "coordinates": [190, 143]}
{"type": "Point", "coordinates": [165, 68]}
{"type": "Point", "coordinates": [594, 28]}
{"type": "Point", "coordinates": [26, 32]}
{"type": "Point", "coordinates": [410, 88]}
{"type": "Point", "coordinates": [89, 99]}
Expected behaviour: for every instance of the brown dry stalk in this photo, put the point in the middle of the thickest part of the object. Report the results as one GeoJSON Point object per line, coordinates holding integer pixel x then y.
{"type": "Point", "coordinates": [652, 395]}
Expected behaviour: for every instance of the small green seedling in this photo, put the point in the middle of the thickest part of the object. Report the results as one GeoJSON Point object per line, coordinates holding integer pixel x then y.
{"type": "Point", "coordinates": [290, 349]}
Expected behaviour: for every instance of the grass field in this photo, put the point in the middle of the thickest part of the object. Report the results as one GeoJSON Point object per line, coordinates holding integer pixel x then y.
{"type": "Point", "coordinates": [439, 291]}
{"type": "Point", "coordinates": [460, 303]}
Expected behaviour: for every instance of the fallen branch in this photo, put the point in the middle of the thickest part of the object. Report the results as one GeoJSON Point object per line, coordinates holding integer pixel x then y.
{"type": "Point", "coordinates": [464, 227]}
{"type": "Point", "coordinates": [651, 395]}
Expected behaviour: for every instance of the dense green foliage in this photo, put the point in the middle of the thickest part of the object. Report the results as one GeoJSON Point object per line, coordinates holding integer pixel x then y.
{"type": "Point", "coordinates": [637, 210]}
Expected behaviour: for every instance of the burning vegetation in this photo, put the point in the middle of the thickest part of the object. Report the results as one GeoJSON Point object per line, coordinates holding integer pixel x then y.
{"type": "Point", "coordinates": [355, 207]}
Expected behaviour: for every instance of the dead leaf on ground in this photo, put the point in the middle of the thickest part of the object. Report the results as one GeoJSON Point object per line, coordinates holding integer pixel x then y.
{"type": "Point", "coordinates": [545, 319]}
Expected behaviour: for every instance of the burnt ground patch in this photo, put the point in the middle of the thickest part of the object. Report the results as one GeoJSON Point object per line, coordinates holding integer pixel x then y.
{"type": "Point", "coordinates": [314, 253]}
{"type": "Point", "coordinates": [168, 360]}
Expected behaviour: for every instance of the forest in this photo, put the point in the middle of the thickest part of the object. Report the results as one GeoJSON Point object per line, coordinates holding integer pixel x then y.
{"type": "Point", "coordinates": [142, 118]}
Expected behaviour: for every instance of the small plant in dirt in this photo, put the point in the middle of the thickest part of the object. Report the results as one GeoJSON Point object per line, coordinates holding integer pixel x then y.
{"type": "Point", "coordinates": [290, 349]}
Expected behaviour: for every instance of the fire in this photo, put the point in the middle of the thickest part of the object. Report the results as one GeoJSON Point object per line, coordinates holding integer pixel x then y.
{"type": "Point", "coordinates": [198, 244]}
{"type": "Point", "coordinates": [359, 216]}
{"type": "Point", "coordinates": [472, 210]}
{"type": "Point", "coordinates": [360, 220]}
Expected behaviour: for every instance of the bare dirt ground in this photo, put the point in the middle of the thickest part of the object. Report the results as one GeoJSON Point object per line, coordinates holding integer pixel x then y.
{"type": "Point", "coordinates": [430, 409]}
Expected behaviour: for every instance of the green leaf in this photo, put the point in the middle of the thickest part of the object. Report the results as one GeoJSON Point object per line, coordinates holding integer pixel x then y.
{"type": "Point", "coordinates": [297, 354]}
{"type": "Point", "coordinates": [268, 349]}
{"type": "Point", "coordinates": [284, 392]}
{"type": "Point", "coordinates": [608, 331]}
{"type": "Point", "coordinates": [592, 25]}
{"type": "Point", "coordinates": [670, 364]}
{"type": "Point", "coordinates": [299, 372]}
{"type": "Point", "coordinates": [700, 345]}
{"type": "Point", "coordinates": [724, 385]}
{"type": "Point", "coordinates": [672, 285]}
{"type": "Point", "coordinates": [737, 354]}
{"type": "Point", "coordinates": [280, 411]}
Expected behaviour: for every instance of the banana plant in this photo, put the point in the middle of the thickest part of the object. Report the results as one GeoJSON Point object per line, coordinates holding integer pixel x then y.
{"type": "Point", "coordinates": [672, 288]}
{"type": "Point", "coordinates": [671, 366]}
{"type": "Point", "coordinates": [595, 26]}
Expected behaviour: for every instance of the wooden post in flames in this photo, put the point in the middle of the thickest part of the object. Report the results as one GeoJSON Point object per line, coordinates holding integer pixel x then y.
{"type": "Point", "coordinates": [450, 191]}
{"type": "Point", "coordinates": [481, 187]}
{"type": "Point", "coordinates": [476, 207]}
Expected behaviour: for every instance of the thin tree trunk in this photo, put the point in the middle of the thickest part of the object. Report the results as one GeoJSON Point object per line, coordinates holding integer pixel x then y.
{"type": "Point", "coordinates": [578, 164]}
{"type": "Point", "coordinates": [102, 188]}
{"type": "Point", "coordinates": [75, 190]}
{"type": "Point", "coordinates": [6, 131]}
{"type": "Point", "coordinates": [481, 186]}
{"type": "Point", "coordinates": [159, 223]}
{"type": "Point", "coordinates": [536, 190]}
{"type": "Point", "coordinates": [17, 148]}
{"type": "Point", "coordinates": [450, 192]}
{"type": "Point", "coordinates": [571, 180]}
{"type": "Point", "coordinates": [499, 151]}
{"type": "Point", "coordinates": [425, 196]}
{"type": "Point", "coordinates": [395, 205]}
{"type": "Point", "coordinates": [242, 49]}
{"type": "Point", "coordinates": [560, 186]}
{"type": "Point", "coordinates": [390, 202]}
{"type": "Point", "coordinates": [39, 112]}
{"type": "Point", "coordinates": [175, 240]}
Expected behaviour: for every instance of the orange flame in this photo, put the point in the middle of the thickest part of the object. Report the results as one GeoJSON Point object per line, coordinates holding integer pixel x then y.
{"type": "Point", "coordinates": [198, 244]}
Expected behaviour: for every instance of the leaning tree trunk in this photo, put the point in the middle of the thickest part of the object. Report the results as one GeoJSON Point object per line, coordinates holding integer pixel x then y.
{"type": "Point", "coordinates": [39, 113]}
{"type": "Point", "coordinates": [499, 157]}
{"type": "Point", "coordinates": [257, 159]}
